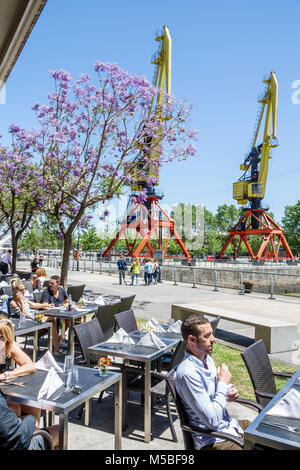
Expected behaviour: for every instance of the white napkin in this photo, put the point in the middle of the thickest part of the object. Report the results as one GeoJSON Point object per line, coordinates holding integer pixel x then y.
{"type": "Point", "coordinates": [288, 406]}
{"type": "Point", "coordinates": [159, 329]}
{"type": "Point", "coordinates": [151, 341]}
{"type": "Point", "coordinates": [155, 322]}
{"type": "Point", "coordinates": [150, 324]}
{"type": "Point", "coordinates": [100, 300]}
{"type": "Point", "coordinates": [47, 362]}
{"type": "Point", "coordinates": [3, 283]}
{"type": "Point", "coordinates": [118, 337]}
{"type": "Point", "coordinates": [176, 327]}
{"type": "Point", "coordinates": [51, 384]}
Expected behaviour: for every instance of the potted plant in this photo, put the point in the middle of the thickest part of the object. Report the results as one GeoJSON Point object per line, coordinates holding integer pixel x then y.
{"type": "Point", "coordinates": [103, 365]}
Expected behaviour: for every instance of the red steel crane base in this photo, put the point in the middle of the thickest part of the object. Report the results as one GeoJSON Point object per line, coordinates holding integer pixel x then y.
{"type": "Point", "coordinates": [267, 228]}
{"type": "Point", "coordinates": [147, 224]}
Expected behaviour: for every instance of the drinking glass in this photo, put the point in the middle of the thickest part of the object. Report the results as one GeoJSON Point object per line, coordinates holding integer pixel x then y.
{"type": "Point", "coordinates": [69, 362]}
{"type": "Point", "coordinates": [126, 342]}
{"type": "Point", "coordinates": [170, 322]}
{"type": "Point", "coordinates": [22, 320]}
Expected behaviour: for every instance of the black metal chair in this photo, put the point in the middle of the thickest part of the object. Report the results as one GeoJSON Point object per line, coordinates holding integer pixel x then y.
{"type": "Point", "coordinates": [37, 296]}
{"type": "Point", "coordinates": [260, 371]}
{"type": "Point", "coordinates": [76, 292]}
{"type": "Point", "coordinates": [214, 323]}
{"type": "Point", "coordinates": [186, 428]}
{"type": "Point", "coordinates": [88, 334]}
{"type": "Point", "coordinates": [159, 387]}
{"type": "Point", "coordinates": [126, 320]}
{"type": "Point", "coordinates": [46, 437]}
{"type": "Point", "coordinates": [126, 303]}
{"type": "Point", "coordinates": [7, 290]}
{"type": "Point", "coordinates": [106, 317]}
{"type": "Point", "coordinates": [29, 286]}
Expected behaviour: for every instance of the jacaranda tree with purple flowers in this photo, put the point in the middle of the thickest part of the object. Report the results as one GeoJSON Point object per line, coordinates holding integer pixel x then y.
{"type": "Point", "coordinates": [93, 134]}
{"type": "Point", "coordinates": [21, 197]}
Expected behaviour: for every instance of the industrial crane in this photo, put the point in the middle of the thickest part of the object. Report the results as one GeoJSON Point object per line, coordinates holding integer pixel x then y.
{"type": "Point", "coordinates": [250, 188]}
{"type": "Point", "coordinates": [149, 219]}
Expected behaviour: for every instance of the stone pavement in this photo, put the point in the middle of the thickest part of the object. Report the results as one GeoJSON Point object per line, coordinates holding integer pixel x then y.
{"type": "Point", "coordinates": [156, 301]}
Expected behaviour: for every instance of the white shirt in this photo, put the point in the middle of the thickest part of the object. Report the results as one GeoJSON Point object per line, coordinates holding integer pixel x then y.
{"type": "Point", "coordinates": [6, 258]}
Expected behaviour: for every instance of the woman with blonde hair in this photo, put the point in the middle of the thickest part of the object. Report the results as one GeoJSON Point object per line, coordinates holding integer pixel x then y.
{"type": "Point", "coordinates": [9, 349]}
{"type": "Point", "coordinates": [40, 278]}
{"type": "Point", "coordinates": [19, 304]}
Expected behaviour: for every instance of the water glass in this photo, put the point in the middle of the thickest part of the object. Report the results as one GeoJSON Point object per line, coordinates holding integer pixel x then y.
{"type": "Point", "coordinates": [69, 362]}
{"type": "Point", "coordinates": [72, 379]}
{"type": "Point", "coordinates": [170, 322]}
{"type": "Point", "coordinates": [126, 342]}
{"type": "Point", "coordinates": [22, 320]}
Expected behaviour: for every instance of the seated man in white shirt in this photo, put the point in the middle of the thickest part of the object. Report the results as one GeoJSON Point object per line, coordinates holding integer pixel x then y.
{"type": "Point", "coordinates": [205, 389]}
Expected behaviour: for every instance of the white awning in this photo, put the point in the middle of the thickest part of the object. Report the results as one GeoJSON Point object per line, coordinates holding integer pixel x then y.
{"type": "Point", "coordinates": [17, 19]}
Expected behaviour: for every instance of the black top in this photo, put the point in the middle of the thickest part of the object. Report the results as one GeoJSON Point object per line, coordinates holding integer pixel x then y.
{"type": "Point", "coordinates": [48, 297]}
{"type": "Point", "coordinates": [15, 433]}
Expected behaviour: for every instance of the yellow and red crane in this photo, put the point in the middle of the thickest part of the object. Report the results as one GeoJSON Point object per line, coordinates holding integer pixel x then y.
{"type": "Point", "coordinates": [149, 221]}
{"type": "Point", "coordinates": [250, 189]}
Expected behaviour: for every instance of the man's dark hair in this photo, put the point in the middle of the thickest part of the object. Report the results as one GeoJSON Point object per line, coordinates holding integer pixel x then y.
{"type": "Point", "coordinates": [56, 278]}
{"type": "Point", "coordinates": [189, 325]}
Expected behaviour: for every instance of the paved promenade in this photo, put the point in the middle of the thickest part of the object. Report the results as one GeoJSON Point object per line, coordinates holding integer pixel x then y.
{"type": "Point", "coordinates": [156, 301]}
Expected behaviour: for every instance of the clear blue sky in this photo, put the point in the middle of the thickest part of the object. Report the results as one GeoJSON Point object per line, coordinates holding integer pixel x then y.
{"type": "Point", "coordinates": [221, 51]}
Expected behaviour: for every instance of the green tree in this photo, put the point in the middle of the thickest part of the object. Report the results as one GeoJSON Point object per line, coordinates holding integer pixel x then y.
{"type": "Point", "coordinates": [291, 225]}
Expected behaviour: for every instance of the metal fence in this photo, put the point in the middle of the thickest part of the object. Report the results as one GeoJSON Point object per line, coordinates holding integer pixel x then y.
{"type": "Point", "coordinates": [258, 279]}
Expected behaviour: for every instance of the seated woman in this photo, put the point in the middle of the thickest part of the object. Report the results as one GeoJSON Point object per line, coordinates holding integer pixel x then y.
{"type": "Point", "coordinates": [38, 281]}
{"type": "Point", "coordinates": [10, 349]}
{"type": "Point", "coordinates": [19, 304]}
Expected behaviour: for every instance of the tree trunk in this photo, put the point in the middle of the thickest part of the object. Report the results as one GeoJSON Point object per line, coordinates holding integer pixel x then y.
{"type": "Point", "coordinates": [65, 259]}
{"type": "Point", "coordinates": [14, 244]}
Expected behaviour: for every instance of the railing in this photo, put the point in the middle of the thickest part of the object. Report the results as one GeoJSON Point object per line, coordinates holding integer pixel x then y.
{"type": "Point", "coordinates": [263, 281]}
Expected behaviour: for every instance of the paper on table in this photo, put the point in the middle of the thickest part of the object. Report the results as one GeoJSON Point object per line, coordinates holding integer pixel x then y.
{"type": "Point", "coordinates": [151, 341]}
{"type": "Point", "coordinates": [100, 300]}
{"type": "Point", "coordinates": [51, 384]}
{"type": "Point", "coordinates": [118, 337]}
{"type": "Point", "coordinates": [150, 324]}
{"type": "Point", "coordinates": [288, 406]}
{"type": "Point", "coordinates": [159, 329]}
{"type": "Point", "coordinates": [176, 327]}
{"type": "Point", "coordinates": [3, 284]}
{"type": "Point", "coordinates": [155, 322]}
{"type": "Point", "coordinates": [47, 362]}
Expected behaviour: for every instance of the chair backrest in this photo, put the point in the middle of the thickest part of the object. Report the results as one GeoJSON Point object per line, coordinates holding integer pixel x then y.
{"type": "Point", "coordinates": [214, 323]}
{"type": "Point", "coordinates": [88, 333]}
{"type": "Point", "coordinates": [76, 292]}
{"type": "Point", "coordinates": [126, 320]}
{"type": "Point", "coordinates": [106, 317]}
{"type": "Point", "coordinates": [126, 303]}
{"type": "Point", "coordinates": [5, 308]}
{"type": "Point", "coordinates": [29, 286]}
{"type": "Point", "coordinates": [7, 290]}
{"type": "Point", "coordinates": [37, 296]}
{"type": "Point", "coordinates": [183, 418]}
{"type": "Point", "coordinates": [178, 354]}
{"type": "Point", "coordinates": [259, 368]}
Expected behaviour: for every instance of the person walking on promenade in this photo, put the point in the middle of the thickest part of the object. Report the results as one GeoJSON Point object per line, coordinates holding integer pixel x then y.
{"type": "Point", "coordinates": [5, 262]}
{"type": "Point", "coordinates": [41, 259]}
{"type": "Point", "coordinates": [34, 265]}
{"type": "Point", "coordinates": [149, 271]}
{"type": "Point", "coordinates": [156, 270]}
{"type": "Point", "coordinates": [122, 268]}
{"type": "Point", "coordinates": [135, 271]}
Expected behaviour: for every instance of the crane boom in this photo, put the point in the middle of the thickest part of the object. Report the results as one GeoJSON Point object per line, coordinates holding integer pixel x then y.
{"type": "Point", "coordinates": [252, 187]}
{"type": "Point", "coordinates": [162, 80]}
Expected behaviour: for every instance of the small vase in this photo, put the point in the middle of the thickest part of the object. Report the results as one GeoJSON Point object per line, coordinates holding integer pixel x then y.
{"type": "Point", "coordinates": [103, 372]}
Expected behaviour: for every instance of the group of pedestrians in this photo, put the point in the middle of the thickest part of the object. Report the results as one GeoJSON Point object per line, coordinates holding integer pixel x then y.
{"type": "Point", "coordinates": [151, 271]}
